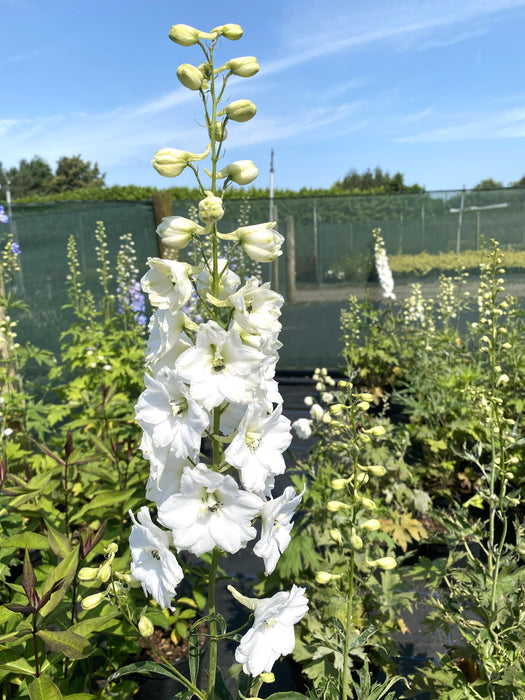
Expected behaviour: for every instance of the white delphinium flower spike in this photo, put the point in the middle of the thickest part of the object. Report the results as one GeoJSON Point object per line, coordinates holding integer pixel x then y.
{"type": "Point", "coordinates": [272, 634]}
{"type": "Point", "coordinates": [383, 269]}
{"type": "Point", "coordinates": [153, 564]}
{"type": "Point", "coordinates": [219, 367]}
{"type": "Point", "coordinates": [276, 517]}
{"type": "Point", "coordinates": [170, 415]}
{"type": "Point", "coordinates": [256, 450]}
{"type": "Point", "coordinates": [210, 511]}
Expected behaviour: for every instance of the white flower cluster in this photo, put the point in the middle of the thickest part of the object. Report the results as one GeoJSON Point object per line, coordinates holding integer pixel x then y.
{"type": "Point", "coordinates": [215, 380]}
{"type": "Point", "coordinates": [383, 269]}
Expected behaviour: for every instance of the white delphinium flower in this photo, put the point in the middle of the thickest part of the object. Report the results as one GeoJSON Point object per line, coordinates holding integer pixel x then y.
{"type": "Point", "coordinates": [165, 469]}
{"type": "Point", "coordinates": [257, 307]}
{"type": "Point", "coordinates": [168, 412]}
{"type": "Point", "coordinates": [229, 281]}
{"type": "Point", "coordinates": [317, 412]}
{"type": "Point", "coordinates": [303, 428]}
{"type": "Point", "coordinates": [256, 450]}
{"type": "Point", "coordinates": [276, 518]}
{"type": "Point", "coordinates": [153, 564]}
{"type": "Point", "coordinates": [210, 511]}
{"type": "Point", "coordinates": [383, 269]}
{"type": "Point", "coordinates": [272, 634]}
{"type": "Point", "coordinates": [167, 283]}
{"type": "Point", "coordinates": [219, 367]}
{"type": "Point", "coordinates": [167, 339]}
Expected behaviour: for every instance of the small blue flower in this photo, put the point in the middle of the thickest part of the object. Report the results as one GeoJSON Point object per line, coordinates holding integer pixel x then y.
{"type": "Point", "coordinates": [15, 247]}
{"type": "Point", "coordinates": [3, 216]}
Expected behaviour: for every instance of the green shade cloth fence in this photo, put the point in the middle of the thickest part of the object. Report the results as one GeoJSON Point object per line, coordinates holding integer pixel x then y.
{"type": "Point", "coordinates": [327, 229]}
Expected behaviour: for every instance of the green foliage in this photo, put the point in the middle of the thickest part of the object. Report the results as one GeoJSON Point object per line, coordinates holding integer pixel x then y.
{"type": "Point", "coordinates": [377, 182]}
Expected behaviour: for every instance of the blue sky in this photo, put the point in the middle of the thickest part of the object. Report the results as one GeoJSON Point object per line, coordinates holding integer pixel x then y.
{"type": "Point", "coordinates": [433, 88]}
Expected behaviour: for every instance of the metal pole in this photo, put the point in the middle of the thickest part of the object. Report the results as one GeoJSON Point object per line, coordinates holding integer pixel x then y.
{"type": "Point", "coordinates": [316, 245]}
{"type": "Point", "coordinates": [460, 220]}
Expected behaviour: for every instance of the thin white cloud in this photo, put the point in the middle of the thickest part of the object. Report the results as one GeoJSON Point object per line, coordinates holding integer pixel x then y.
{"type": "Point", "coordinates": [18, 58]}
{"type": "Point", "coordinates": [503, 125]}
{"type": "Point", "coordinates": [321, 29]}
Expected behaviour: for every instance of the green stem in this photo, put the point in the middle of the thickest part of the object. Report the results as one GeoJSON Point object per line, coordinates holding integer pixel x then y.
{"type": "Point", "coordinates": [212, 666]}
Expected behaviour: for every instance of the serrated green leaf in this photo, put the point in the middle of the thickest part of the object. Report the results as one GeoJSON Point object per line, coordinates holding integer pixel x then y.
{"type": "Point", "coordinates": [26, 540]}
{"type": "Point", "coordinates": [66, 570]}
{"type": "Point", "coordinates": [43, 688]}
{"type": "Point", "coordinates": [66, 642]}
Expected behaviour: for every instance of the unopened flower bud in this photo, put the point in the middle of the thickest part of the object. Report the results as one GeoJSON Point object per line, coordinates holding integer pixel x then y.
{"type": "Point", "coordinates": [371, 524]}
{"type": "Point", "coordinates": [88, 573]}
{"type": "Point", "coordinates": [233, 32]}
{"type": "Point", "coordinates": [334, 506]}
{"type": "Point", "coordinates": [145, 626]}
{"type": "Point", "coordinates": [338, 484]}
{"type": "Point", "coordinates": [190, 77]}
{"type": "Point", "coordinates": [242, 172]}
{"type": "Point", "coordinates": [365, 396]}
{"type": "Point", "coordinates": [337, 408]}
{"type": "Point", "coordinates": [210, 208]}
{"type": "Point", "coordinates": [220, 132]}
{"type": "Point", "coordinates": [503, 379]}
{"type": "Point", "coordinates": [376, 470]}
{"type": "Point", "coordinates": [375, 430]}
{"type": "Point", "coordinates": [260, 241]}
{"type": "Point", "coordinates": [184, 35]}
{"type": "Point", "coordinates": [239, 111]}
{"type": "Point", "coordinates": [308, 401]}
{"type": "Point", "coordinates": [356, 541]}
{"type": "Point", "coordinates": [244, 67]}
{"type": "Point", "coordinates": [324, 577]}
{"type": "Point", "coordinates": [104, 573]}
{"type": "Point", "coordinates": [335, 534]}
{"type": "Point", "coordinates": [176, 231]}
{"type": "Point", "coordinates": [267, 677]}
{"type": "Point", "coordinates": [385, 563]}
{"type": "Point", "coordinates": [363, 405]}
{"type": "Point", "coordinates": [170, 162]}
{"type": "Point", "coordinates": [367, 503]}
{"type": "Point", "coordinates": [327, 418]}
{"type": "Point", "coordinates": [92, 601]}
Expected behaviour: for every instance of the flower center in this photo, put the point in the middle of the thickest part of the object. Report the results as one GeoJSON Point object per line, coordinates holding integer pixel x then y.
{"type": "Point", "coordinates": [252, 440]}
{"type": "Point", "coordinates": [210, 502]}
{"type": "Point", "coordinates": [271, 622]}
{"type": "Point", "coordinates": [155, 554]}
{"type": "Point", "coordinates": [218, 363]}
{"type": "Point", "coordinates": [179, 406]}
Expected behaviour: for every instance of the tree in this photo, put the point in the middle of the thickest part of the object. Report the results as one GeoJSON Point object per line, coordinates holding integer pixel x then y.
{"type": "Point", "coordinates": [73, 173]}
{"type": "Point", "coordinates": [489, 184]}
{"type": "Point", "coordinates": [376, 182]}
{"type": "Point", "coordinates": [518, 183]}
{"type": "Point", "coordinates": [30, 178]}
